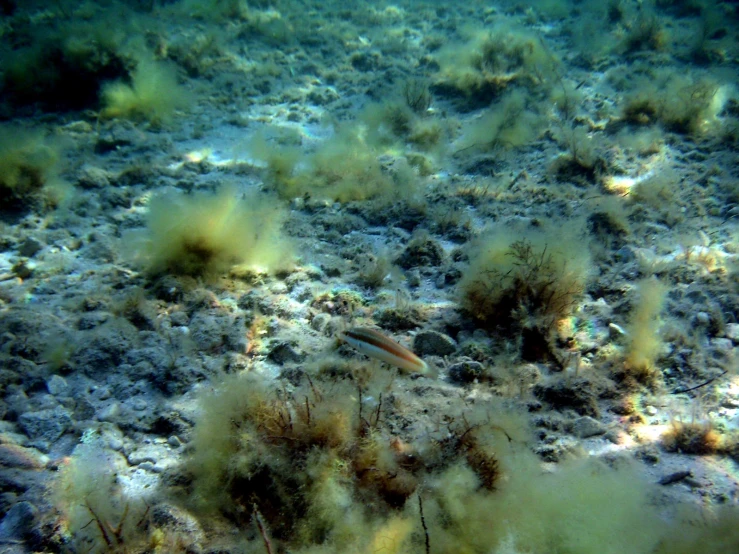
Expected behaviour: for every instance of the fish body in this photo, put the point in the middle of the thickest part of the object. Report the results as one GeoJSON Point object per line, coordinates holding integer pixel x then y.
{"type": "Point", "coordinates": [376, 345]}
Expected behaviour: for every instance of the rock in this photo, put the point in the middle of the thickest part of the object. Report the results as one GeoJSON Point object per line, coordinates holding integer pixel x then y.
{"type": "Point", "coordinates": [23, 269]}
{"type": "Point", "coordinates": [179, 319]}
{"type": "Point", "coordinates": [577, 394]}
{"type": "Point", "coordinates": [558, 449]}
{"type": "Point", "coordinates": [92, 320]}
{"type": "Point", "coordinates": [433, 343]}
{"type": "Point", "coordinates": [180, 524]}
{"type": "Point", "coordinates": [171, 288]}
{"type": "Point", "coordinates": [16, 456]}
{"type": "Point", "coordinates": [46, 425]}
{"type": "Point", "coordinates": [7, 500]}
{"type": "Point", "coordinates": [150, 467]}
{"type": "Point", "coordinates": [19, 522]}
{"type": "Point", "coordinates": [29, 248]}
{"type": "Point", "coordinates": [421, 251]}
{"type": "Point", "coordinates": [731, 402]}
{"type": "Point", "coordinates": [624, 407]}
{"type": "Point", "coordinates": [144, 453]}
{"type": "Point", "coordinates": [110, 413]}
{"type": "Point", "coordinates": [724, 346]}
{"type": "Point", "coordinates": [701, 319]}
{"type": "Point", "coordinates": [283, 353]}
{"type": "Point", "coordinates": [585, 427]}
{"type": "Point", "coordinates": [399, 319]}
{"type": "Point", "coordinates": [207, 332]}
{"type": "Point", "coordinates": [465, 372]}
{"type": "Point", "coordinates": [625, 255]}
{"type": "Point", "coordinates": [105, 347]}
{"type": "Point", "coordinates": [93, 178]}
{"type": "Point", "coordinates": [78, 127]}
{"type": "Point", "coordinates": [114, 443]}
{"type": "Point", "coordinates": [732, 331]}
{"type": "Point", "coordinates": [319, 322]}
{"type": "Point", "coordinates": [169, 423]}
{"type": "Point", "coordinates": [413, 277]}
{"type": "Point", "coordinates": [214, 333]}
{"type": "Point", "coordinates": [616, 331]}
{"type": "Point", "coordinates": [57, 385]}
{"type": "Point", "coordinates": [138, 404]}
{"type": "Point", "coordinates": [116, 137]}
{"type": "Point", "coordinates": [18, 480]}
{"type": "Point", "coordinates": [648, 454]}
{"type": "Point", "coordinates": [101, 394]}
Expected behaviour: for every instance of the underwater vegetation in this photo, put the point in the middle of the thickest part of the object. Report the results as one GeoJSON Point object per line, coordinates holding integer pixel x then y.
{"type": "Point", "coordinates": [718, 532]}
{"type": "Point", "coordinates": [153, 94]}
{"type": "Point", "coordinates": [644, 344]}
{"type": "Point", "coordinates": [97, 515]}
{"type": "Point", "coordinates": [312, 468]}
{"type": "Point", "coordinates": [208, 234]}
{"type": "Point", "coordinates": [539, 197]}
{"type": "Point", "coordinates": [62, 66]}
{"type": "Point", "coordinates": [684, 103]}
{"type": "Point", "coordinates": [298, 457]}
{"type": "Point", "coordinates": [343, 168]}
{"type": "Point", "coordinates": [98, 60]}
{"type": "Point", "coordinates": [520, 284]}
{"type": "Point", "coordinates": [478, 71]}
{"type": "Point", "coordinates": [511, 122]}
{"type": "Point", "coordinates": [29, 166]}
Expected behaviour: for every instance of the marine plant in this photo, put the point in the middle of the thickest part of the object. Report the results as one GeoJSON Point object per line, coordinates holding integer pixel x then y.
{"type": "Point", "coordinates": [61, 64]}
{"type": "Point", "coordinates": [153, 94]}
{"type": "Point", "coordinates": [96, 515]}
{"type": "Point", "coordinates": [313, 467]}
{"type": "Point", "coordinates": [520, 286]}
{"type": "Point", "coordinates": [28, 164]}
{"type": "Point", "coordinates": [478, 71]}
{"type": "Point", "coordinates": [645, 31]}
{"type": "Point", "coordinates": [644, 340]}
{"type": "Point", "coordinates": [296, 455]}
{"type": "Point", "coordinates": [417, 95]}
{"type": "Point", "coordinates": [510, 122]}
{"type": "Point", "coordinates": [691, 437]}
{"type": "Point", "coordinates": [208, 234]}
{"type": "Point", "coordinates": [684, 103]}
{"type": "Point", "coordinates": [582, 161]}
{"type": "Point", "coordinates": [343, 168]}
{"type": "Point", "coordinates": [709, 532]}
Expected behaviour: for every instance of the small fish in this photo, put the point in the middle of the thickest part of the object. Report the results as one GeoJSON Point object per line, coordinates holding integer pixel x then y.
{"type": "Point", "coordinates": [376, 345]}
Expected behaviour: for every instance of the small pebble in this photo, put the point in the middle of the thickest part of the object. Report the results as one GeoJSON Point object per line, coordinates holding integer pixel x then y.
{"type": "Point", "coordinates": [29, 247]}
{"type": "Point", "coordinates": [110, 413]}
{"type": "Point", "coordinates": [732, 331]}
{"type": "Point", "coordinates": [139, 404]}
{"type": "Point", "coordinates": [586, 427]}
{"type": "Point", "coordinates": [148, 466]}
{"type": "Point", "coordinates": [57, 385]}
{"type": "Point", "coordinates": [722, 345]}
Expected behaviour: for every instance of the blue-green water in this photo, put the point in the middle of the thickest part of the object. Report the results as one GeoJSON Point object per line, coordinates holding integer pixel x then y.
{"type": "Point", "coordinates": [200, 199]}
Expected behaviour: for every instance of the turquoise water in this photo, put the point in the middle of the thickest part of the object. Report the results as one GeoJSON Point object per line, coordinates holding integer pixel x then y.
{"type": "Point", "coordinates": [199, 201]}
